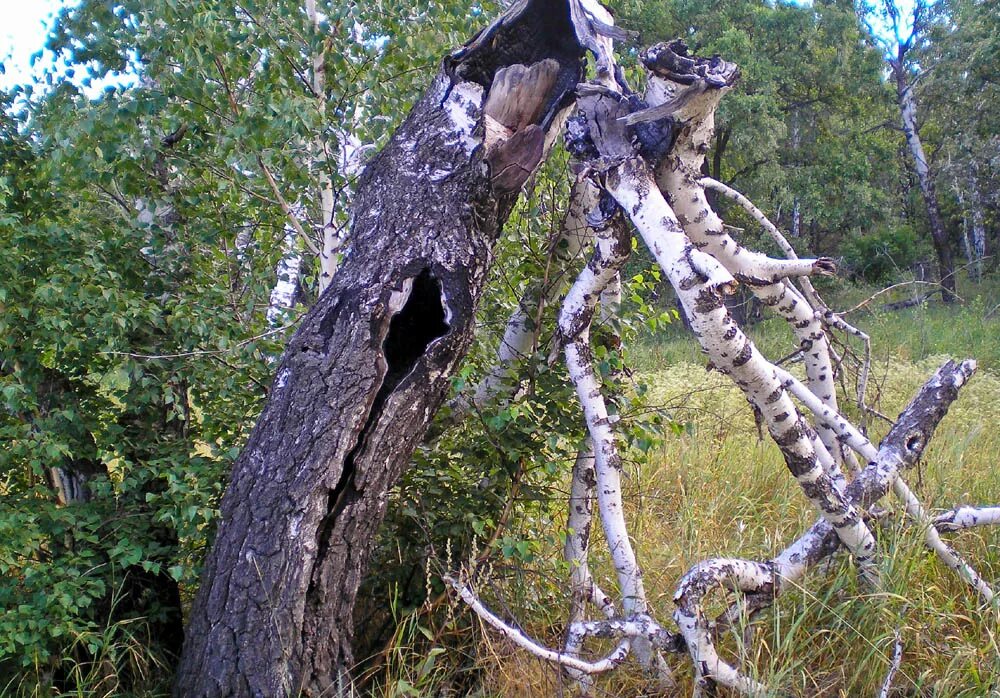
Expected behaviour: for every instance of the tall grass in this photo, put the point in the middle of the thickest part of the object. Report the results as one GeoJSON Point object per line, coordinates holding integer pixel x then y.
{"type": "Point", "coordinates": [715, 489]}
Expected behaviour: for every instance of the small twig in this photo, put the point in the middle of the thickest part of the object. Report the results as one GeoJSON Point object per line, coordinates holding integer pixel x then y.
{"type": "Point", "coordinates": [885, 290]}
{"type": "Point", "coordinates": [897, 658]}
{"type": "Point", "coordinates": [200, 352]}
{"type": "Point", "coordinates": [292, 218]}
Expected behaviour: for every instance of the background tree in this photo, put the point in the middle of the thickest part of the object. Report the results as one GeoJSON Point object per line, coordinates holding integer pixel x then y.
{"type": "Point", "coordinates": [898, 35]}
{"type": "Point", "coordinates": [961, 96]}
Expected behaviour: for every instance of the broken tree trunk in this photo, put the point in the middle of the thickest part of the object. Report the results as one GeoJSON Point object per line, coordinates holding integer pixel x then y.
{"type": "Point", "coordinates": [371, 362]}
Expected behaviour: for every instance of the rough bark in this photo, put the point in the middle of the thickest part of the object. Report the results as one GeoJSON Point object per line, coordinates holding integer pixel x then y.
{"type": "Point", "coordinates": [363, 375]}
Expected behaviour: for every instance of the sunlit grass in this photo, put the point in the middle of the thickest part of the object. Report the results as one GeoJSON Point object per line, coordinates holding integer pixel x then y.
{"type": "Point", "coordinates": [716, 489]}
{"type": "Point", "coordinates": [970, 329]}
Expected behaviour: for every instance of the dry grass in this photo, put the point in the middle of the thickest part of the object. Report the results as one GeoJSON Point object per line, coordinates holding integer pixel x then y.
{"type": "Point", "coordinates": [716, 490]}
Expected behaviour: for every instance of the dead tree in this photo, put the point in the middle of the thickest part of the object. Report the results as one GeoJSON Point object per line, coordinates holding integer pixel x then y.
{"type": "Point", "coordinates": [646, 155]}
{"type": "Point", "coordinates": [370, 363]}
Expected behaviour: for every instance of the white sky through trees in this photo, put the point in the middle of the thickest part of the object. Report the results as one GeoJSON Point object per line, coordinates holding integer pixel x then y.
{"type": "Point", "coordinates": [22, 33]}
{"type": "Point", "coordinates": [25, 24]}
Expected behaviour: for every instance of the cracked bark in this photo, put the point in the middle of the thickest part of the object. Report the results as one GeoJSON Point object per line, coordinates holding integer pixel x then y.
{"type": "Point", "coordinates": [364, 373]}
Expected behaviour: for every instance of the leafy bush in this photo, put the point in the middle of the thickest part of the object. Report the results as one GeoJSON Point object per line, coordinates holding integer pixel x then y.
{"type": "Point", "coordinates": [883, 255]}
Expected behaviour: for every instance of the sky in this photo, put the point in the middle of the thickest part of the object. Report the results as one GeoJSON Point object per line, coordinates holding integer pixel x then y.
{"type": "Point", "coordinates": [22, 32]}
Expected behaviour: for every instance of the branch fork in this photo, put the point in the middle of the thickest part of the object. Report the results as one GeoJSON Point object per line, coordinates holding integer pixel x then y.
{"type": "Point", "coordinates": [645, 157]}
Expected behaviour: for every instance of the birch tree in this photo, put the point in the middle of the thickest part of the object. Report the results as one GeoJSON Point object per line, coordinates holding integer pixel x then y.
{"type": "Point", "coordinates": [645, 155]}
{"type": "Point", "coordinates": [962, 96]}
{"type": "Point", "coordinates": [898, 40]}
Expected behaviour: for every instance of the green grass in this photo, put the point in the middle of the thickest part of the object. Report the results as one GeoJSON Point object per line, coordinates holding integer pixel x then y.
{"type": "Point", "coordinates": [911, 334]}
{"type": "Point", "coordinates": [715, 490]}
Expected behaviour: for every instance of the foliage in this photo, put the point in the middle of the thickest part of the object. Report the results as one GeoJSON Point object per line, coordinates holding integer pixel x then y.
{"type": "Point", "coordinates": [142, 239]}
{"type": "Point", "coordinates": [881, 256]}
{"type": "Point", "coordinates": [800, 133]}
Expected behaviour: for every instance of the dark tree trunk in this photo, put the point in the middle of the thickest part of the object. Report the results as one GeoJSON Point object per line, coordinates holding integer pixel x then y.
{"type": "Point", "coordinates": [369, 366]}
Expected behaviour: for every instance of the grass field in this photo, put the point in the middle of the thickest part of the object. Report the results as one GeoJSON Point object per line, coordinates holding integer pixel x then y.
{"type": "Point", "coordinates": [716, 490]}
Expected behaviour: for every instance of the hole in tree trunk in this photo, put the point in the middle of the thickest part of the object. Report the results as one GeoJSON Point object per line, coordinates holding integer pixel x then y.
{"type": "Point", "coordinates": [418, 323]}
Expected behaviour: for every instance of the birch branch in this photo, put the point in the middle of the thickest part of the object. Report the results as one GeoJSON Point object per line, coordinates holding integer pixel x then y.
{"type": "Point", "coordinates": [286, 207]}
{"type": "Point", "coordinates": [679, 177]}
{"type": "Point", "coordinates": [699, 281]}
{"type": "Point", "coordinates": [966, 517]}
{"type": "Point", "coordinates": [522, 329]}
{"type": "Point", "coordinates": [830, 318]}
{"type": "Point", "coordinates": [519, 638]}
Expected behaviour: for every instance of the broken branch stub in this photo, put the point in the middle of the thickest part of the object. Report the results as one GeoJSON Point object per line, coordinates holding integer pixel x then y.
{"type": "Point", "coordinates": [352, 398]}
{"type": "Point", "coordinates": [647, 157]}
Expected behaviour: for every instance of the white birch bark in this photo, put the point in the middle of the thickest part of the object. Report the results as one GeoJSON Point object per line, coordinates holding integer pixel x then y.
{"type": "Point", "coordinates": [321, 157]}
{"type": "Point", "coordinates": [978, 226]}
{"type": "Point", "coordinates": [580, 517]}
{"type": "Point", "coordinates": [583, 588]}
{"type": "Point", "coordinates": [699, 281]}
{"type": "Point", "coordinates": [830, 319]}
{"type": "Point", "coordinates": [966, 517]}
{"type": "Point", "coordinates": [617, 656]}
{"type": "Point", "coordinates": [908, 115]}
{"type": "Point", "coordinates": [852, 437]}
{"type": "Point", "coordinates": [282, 297]}
{"type": "Point", "coordinates": [679, 178]}
{"type": "Point", "coordinates": [760, 582]}
{"type": "Point", "coordinates": [610, 252]}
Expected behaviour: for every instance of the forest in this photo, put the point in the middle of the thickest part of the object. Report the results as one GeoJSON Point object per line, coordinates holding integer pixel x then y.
{"type": "Point", "coordinates": [528, 348]}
